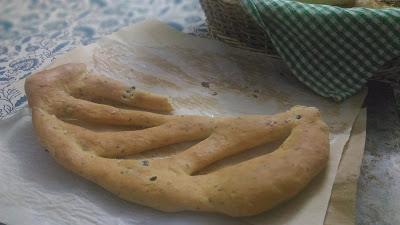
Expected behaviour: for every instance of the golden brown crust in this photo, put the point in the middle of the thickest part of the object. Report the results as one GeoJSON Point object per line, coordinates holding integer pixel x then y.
{"type": "Point", "coordinates": [170, 184]}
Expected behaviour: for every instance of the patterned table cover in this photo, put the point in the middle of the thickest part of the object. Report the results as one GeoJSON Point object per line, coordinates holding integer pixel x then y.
{"type": "Point", "coordinates": [34, 32]}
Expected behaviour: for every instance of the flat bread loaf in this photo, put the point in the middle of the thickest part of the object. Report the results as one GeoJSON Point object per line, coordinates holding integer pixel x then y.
{"type": "Point", "coordinates": [64, 98]}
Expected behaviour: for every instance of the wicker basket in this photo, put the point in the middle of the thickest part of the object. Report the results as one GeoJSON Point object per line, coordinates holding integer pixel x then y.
{"type": "Point", "coordinates": [227, 21]}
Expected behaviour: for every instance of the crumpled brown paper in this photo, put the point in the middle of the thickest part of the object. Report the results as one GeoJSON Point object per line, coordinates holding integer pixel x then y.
{"type": "Point", "coordinates": [342, 205]}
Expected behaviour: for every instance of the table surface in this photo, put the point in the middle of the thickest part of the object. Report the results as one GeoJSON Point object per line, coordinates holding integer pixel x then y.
{"type": "Point", "coordinates": [378, 199]}
{"type": "Point", "coordinates": [33, 33]}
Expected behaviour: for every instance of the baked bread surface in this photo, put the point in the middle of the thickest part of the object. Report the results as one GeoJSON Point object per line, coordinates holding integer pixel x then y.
{"type": "Point", "coordinates": [64, 98]}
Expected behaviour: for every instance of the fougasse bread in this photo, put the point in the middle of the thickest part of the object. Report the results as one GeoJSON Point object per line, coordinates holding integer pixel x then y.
{"type": "Point", "coordinates": [70, 93]}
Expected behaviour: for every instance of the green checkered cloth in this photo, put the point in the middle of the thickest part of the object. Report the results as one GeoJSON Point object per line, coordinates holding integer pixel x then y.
{"type": "Point", "coordinates": [330, 49]}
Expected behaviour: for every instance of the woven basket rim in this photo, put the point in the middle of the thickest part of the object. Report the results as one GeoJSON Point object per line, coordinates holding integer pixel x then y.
{"type": "Point", "coordinates": [233, 2]}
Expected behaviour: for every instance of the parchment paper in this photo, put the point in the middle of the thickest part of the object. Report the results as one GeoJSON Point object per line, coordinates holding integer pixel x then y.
{"type": "Point", "coordinates": [342, 205]}
{"type": "Point", "coordinates": [156, 58]}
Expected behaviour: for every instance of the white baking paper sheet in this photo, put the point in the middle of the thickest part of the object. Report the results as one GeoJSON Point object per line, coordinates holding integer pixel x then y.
{"type": "Point", "coordinates": [152, 56]}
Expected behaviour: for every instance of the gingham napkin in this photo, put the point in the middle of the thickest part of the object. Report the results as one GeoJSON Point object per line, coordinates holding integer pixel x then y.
{"type": "Point", "coordinates": [330, 49]}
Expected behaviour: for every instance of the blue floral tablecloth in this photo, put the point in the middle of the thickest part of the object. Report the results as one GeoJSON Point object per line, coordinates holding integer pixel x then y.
{"type": "Point", "coordinates": [33, 33]}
